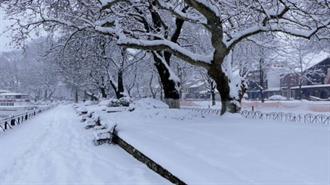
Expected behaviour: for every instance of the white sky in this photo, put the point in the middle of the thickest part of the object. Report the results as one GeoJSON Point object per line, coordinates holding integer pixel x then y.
{"type": "Point", "coordinates": [4, 37]}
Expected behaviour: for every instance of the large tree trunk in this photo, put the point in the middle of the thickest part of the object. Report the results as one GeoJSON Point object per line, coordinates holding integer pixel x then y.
{"type": "Point", "coordinates": [300, 92]}
{"type": "Point", "coordinates": [228, 103]}
{"type": "Point", "coordinates": [103, 89]}
{"type": "Point", "coordinates": [212, 93]}
{"type": "Point", "coordinates": [120, 87]}
{"type": "Point", "coordinates": [103, 92]}
{"type": "Point", "coordinates": [76, 95]}
{"type": "Point", "coordinates": [171, 93]}
{"type": "Point", "coordinates": [45, 94]}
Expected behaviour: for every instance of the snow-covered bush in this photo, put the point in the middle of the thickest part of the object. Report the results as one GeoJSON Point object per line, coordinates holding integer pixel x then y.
{"type": "Point", "coordinates": [277, 97]}
{"type": "Point", "coordinates": [125, 101]}
{"type": "Point", "coordinates": [122, 102]}
{"type": "Point", "coordinates": [114, 103]}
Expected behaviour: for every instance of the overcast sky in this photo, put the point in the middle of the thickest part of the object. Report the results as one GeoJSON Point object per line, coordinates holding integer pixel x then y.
{"type": "Point", "coordinates": [4, 37]}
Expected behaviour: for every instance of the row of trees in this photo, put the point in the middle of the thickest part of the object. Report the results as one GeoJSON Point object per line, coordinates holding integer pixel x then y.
{"type": "Point", "coordinates": [25, 71]}
{"type": "Point", "coordinates": [201, 33]}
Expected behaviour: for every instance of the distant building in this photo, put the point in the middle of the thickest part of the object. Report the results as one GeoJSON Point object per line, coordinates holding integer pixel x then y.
{"type": "Point", "coordinates": [287, 82]}
{"type": "Point", "coordinates": [254, 84]}
{"type": "Point", "coordinates": [274, 75]}
{"type": "Point", "coordinates": [266, 80]}
{"type": "Point", "coordinates": [11, 99]}
{"type": "Point", "coordinates": [315, 87]}
{"type": "Point", "coordinates": [319, 84]}
{"type": "Point", "coordinates": [196, 90]}
{"type": "Point", "coordinates": [3, 91]}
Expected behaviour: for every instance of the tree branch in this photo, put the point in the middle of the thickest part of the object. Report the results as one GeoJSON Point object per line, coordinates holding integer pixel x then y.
{"type": "Point", "coordinates": [160, 45]}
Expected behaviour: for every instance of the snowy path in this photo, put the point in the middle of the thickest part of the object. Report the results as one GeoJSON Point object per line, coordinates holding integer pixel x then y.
{"type": "Point", "coordinates": [53, 148]}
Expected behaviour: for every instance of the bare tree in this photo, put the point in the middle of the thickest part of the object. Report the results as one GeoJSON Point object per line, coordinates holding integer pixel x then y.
{"type": "Point", "coordinates": [147, 25]}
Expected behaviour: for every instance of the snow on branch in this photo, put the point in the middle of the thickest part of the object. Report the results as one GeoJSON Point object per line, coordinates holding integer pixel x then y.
{"type": "Point", "coordinates": [107, 4]}
{"type": "Point", "coordinates": [159, 45]}
{"type": "Point", "coordinates": [307, 34]}
{"type": "Point", "coordinates": [279, 22]}
{"type": "Point", "coordinates": [172, 76]}
{"type": "Point", "coordinates": [176, 11]}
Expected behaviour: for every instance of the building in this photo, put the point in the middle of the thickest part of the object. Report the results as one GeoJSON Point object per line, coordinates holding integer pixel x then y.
{"type": "Point", "coordinates": [196, 90]}
{"type": "Point", "coordinates": [318, 84]}
{"type": "Point", "coordinates": [313, 84]}
{"type": "Point", "coordinates": [265, 82]}
{"type": "Point", "coordinates": [255, 79]}
{"type": "Point", "coordinates": [3, 91]}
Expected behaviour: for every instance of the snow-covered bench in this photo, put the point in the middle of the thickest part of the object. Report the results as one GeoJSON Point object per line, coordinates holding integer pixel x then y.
{"type": "Point", "coordinates": [104, 136]}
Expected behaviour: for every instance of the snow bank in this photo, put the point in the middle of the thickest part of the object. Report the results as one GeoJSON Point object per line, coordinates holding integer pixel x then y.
{"type": "Point", "coordinates": [124, 101]}
{"type": "Point", "coordinates": [202, 149]}
{"type": "Point", "coordinates": [87, 103]}
{"type": "Point", "coordinates": [150, 103]}
{"type": "Point", "coordinates": [277, 97]}
{"type": "Point", "coordinates": [105, 102]}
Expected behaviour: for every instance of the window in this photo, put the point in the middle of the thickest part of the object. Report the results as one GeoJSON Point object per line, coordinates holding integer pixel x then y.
{"type": "Point", "coordinates": [6, 104]}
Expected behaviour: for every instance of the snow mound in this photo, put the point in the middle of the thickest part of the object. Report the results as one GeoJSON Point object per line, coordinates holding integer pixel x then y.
{"type": "Point", "coordinates": [277, 97]}
{"type": "Point", "coordinates": [105, 102]}
{"type": "Point", "coordinates": [150, 103]}
{"type": "Point", "coordinates": [124, 101]}
{"type": "Point", "coordinates": [88, 103]}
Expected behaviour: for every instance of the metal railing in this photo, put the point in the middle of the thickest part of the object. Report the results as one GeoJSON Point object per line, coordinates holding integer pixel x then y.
{"type": "Point", "coordinates": [11, 121]}
{"type": "Point", "coordinates": [204, 111]}
{"type": "Point", "coordinates": [275, 116]}
{"type": "Point", "coordinates": [288, 117]}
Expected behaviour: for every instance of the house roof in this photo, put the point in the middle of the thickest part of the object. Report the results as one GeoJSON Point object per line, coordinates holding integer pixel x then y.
{"type": "Point", "coordinates": [313, 59]}
{"type": "Point", "coordinates": [198, 84]}
{"type": "Point", "coordinates": [273, 89]}
{"type": "Point", "coordinates": [11, 94]}
{"type": "Point", "coordinates": [4, 91]}
{"type": "Point", "coordinates": [311, 86]}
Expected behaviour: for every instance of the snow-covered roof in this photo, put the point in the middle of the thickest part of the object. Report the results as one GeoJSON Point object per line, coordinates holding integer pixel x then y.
{"type": "Point", "coordinates": [311, 86]}
{"type": "Point", "coordinates": [4, 91]}
{"type": "Point", "coordinates": [11, 94]}
{"type": "Point", "coordinates": [204, 91]}
{"type": "Point", "coordinates": [312, 59]}
{"type": "Point", "coordinates": [198, 84]}
{"type": "Point", "coordinates": [273, 89]}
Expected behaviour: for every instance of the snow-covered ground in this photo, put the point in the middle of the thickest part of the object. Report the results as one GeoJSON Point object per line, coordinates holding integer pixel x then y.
{"type": "Point", "coordinates": [205, 149]}
{"type": "Point", "coordinates": [53, 148]}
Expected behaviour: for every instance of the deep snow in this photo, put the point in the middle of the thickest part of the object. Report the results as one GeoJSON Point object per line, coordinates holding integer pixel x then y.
{"type": "Point", "coordinates": [53, 148]}
{"type": "Point", "coordinates": [205, 149]}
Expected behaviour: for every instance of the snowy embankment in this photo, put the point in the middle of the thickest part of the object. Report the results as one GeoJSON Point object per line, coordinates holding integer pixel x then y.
{"type": "Point", "coordinates": [54, 148]}
{"type": "Point", "coordinates": [209, 149]}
